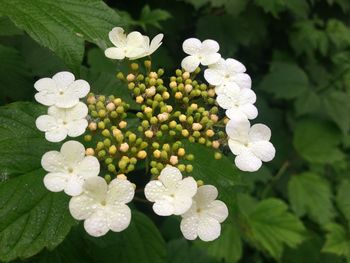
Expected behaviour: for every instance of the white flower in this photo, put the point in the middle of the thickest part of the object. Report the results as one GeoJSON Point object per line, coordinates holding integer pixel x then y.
{"type": "Point", "coordinates": [61, 122]}
{"type": "Point", "coordinates": [204, 53]}
{"type": "Point", "coordinates": [62, 90]}
{"type": "Point", "coordinates": [171, 193]}
{"type": "Point", "coordinates": [238, 101]}
{"type": "Point", "coordinates": [126, 46]}
{"type": "Point", "coordinates": [69, 168]}
{"type": "Point", "coordinates": [227, 72]}
{"type": "Point", "coordinates": [204, 217]}
{"type": "Point", "coordinates": [102, 206]}
{"type": "Point", "coordinates": [150, 48]}
{"type": "Point", "coordinates": [250, 144]}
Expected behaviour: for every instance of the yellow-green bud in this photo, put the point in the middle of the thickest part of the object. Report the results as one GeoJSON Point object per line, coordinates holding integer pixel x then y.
{"type": "Point", "coordinates": [217, 155]}
{"type": "Point", "coordinates": [106, 133]}
{"type": "Point", "coordinates": [181, 167]}
{"type": "Point", "coordinates": [181, 152]}
{"type": "Point", "coordinates": [112, 149]}
{"type": "Point", "coordinates": [120, 76]}
{"type": "Point", "coordinates": [87, 138]}
{"type": "Point", "coordinates": [189, 168]}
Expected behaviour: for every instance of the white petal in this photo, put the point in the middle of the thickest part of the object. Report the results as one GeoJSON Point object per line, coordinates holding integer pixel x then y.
{"type": "Point", "coordinates": [154, 190]}
{"type": "Point", "coordinates": [259, 132]}
{"type": "Point", "coordinates": [237, 128]}
{"type": "Point", "coordinates": [74, 185]}
{"type": "Point", "coordinates": [45, 84]}
{"type": "Point", "coordinates": [249, 110]}
{"type": "Point", "coordinates": [247, 96]}
{"type": "Point", "coordinates": [96, 187]}
{"type": "Point", "coordinates": [224, 101]}
{"type": "Point", "coordinates": [247, 161]}
{"type": "Point", "coordinates": [53, 161]}
{"type": "Point", "coordinates": [55, 182]}
{"type": "Point", "coordinates": [182, 204]}
{"type": "Point", "coordinates": [217, 210]}
{"type": "Point", "coordinates": [117, 37]}
{"type": "Point", "coordinates": [82, 206]}
{"type": "Point", "coordinates": [135, 39]}
{"type": "Point", "coordinates": [205, 195]}
{"type": "Point", "coordinates": [210, 59]}
{"type": "Point", "coordinates": [264, 150]}
{"type": "Point", "coordinates": [118, 217]}
{"type": "Point", "coordinates": [234, 66]}
{"type": "Point", "coordinates": [88, 167]}
{"type": "Point", "coordinates": [136, 52]}
{"type": "Point", "coordinates": [115, 53]}
{"type": "Point", "coordinates": [79, 88]}
{"type": "Point", "coordinates": [96, 225]}
{"type": "Point", "coordinates": [45, 123]}
{"type": "Point", "coordinates": [236, 147]}
{"type": "Point", "coordinates": [170, 176]}
{"type": "Point", "coordinates": [210, 46]}
{"type": "Point", "coordinates": [66, 100]}
{"type": "Point", "coordinates": [209, 229]}
{"type": "Point", "coordinates": [191, 46]}
{"type": "Point", "coordinates": [77, 112]}
{"type": "Point", "coordinates": [63, 79]}
{"type": "Point", "coordinates": [213, 77]}
{"type": "Point", "coordinates": [189, 227]}
{"type": "Point", "coordinates": [77, 128]}
{"type": "Point", "coordinates": [187, 187]}
{"type": "Point", "coordinates": [190, 63]}
{"type": "Point", "coordinates": [73, 152]}
{"type": "Point", "coordinates": [163, 207]}
{"type": "Point", "coordinates": [155, 43]}
{"type": "Point", "coordinates": [56, 135]}
{"type": "Point", "coordinates": [242, 80]}
{"type": "Point", "coordinates": [46, 98]}
{"type": "Point", "coordinates": [120, 191]}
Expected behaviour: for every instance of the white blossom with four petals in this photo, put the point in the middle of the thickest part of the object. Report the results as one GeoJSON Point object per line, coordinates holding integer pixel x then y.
{"type": "Point", "coordinates": [69, 168]}
{"type": "Point", "coordinates": [171, 194]}
{"type": "Point", "coordinates": [102, 206]}
{"type": "Point", "coordinates": [250, 144]}
{"type": "Point", "coordinates": [61, 122]}
{"type": "Point", "coordinates": [150, 48]}
{"type": "Point", "coordinates": [62, 90]}
{"type": "Point", "coordinates": [238, 102]}
{"type": "Point", "coordinates": [204, 53]}
{"type": "Point", "coordinates": [205, 215]}
{"type": "Point", "coordinates": [227, 73]}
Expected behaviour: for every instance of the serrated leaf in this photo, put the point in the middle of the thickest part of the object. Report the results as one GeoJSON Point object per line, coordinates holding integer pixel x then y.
{"type": "Point", "coordinates": [337, 241]}
{"type": "Point", "coordinates": [316, 141]}
{"type": "Point", "coordinates": [31, 218]}
{"type": "Point", "coordinates": [310, 194]}
{"type": "Point", "coordinates": [338, 33]}
{"type": "Point", "coordinates": [343, 198]}
{"type": "Point", "coordinates": [308, 102]}
{"type": "Point", "coordinates": [50, 22]}
{"type": "Point", "coordinates": [297, 7]}
{"type": "Point", "coordinates": [285, 81]}
{"type": "Point", "coordinates": [152, 17]}
{"type": "Point", "coordinates": [271, 226]}
{"type": "Point", "coordinates": [337, 107]}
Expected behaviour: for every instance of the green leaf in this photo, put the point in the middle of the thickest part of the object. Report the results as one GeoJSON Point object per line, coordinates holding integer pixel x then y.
{"type": "Point", "coordinates": [316, 141]}
{"type": "Point", "coordinates": [285, 81]}
{"type": "Point", "coordinates": [336, 105]}
{"type": "Point", "coordinates": [140, 242]}
{"type": "Point", "coordinates": [270, 226]}
{"type": "Point", "coordinates": [31, 217]}
{"type": "Point", "coordinates": [337, 241]}
{"type": "Point", "coordinates": [343, 198]}
{"type": "Point", "coordinates": [297, 7]}
{"type": "Point", "coordinates": [51, 22]}
{"type": "Point", "coordinates": [308, 102]}
{"type": "Point", "coordinates": [310, 194]}
{"type": "Point", "coordinates": [7, 28]}
{"type": "Point", "coordinates": [152, 17]}
{"type": "Point", "coordinates": [227, 247]}
{"type": "Point", "coordinates": [15, 79]}
{"type": "Point", "coordinates": [338, 33]}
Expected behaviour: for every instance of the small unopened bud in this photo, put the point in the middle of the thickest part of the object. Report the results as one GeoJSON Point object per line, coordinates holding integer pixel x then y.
{"type": "Point", "coordinates": [148, 110]}
{"type": "Point", "coordinates": [182, 118]}
{"type": "Point", "coordinates": [165, 95]}
{"type": "Point", "coordinates": [185, 133]}
{"type": "Point", "coordinates": [91, 100]}
{"type": "Point", "coordinates": [214, 118]}
{"type": "Point", "coordinates": [178, 95]}
{"type": "Point", "coordinates": [157, 153]}
{"type": "Point", "coordinates": [117, 101]}
{"type": "Point", "coordinates": [200, 183]}
{"type": "Point", "coordinates": [174, 160]}
{"type": "Point", "coordinates": [216, 144]}
{"type": "Point", "coordinates": [112, 149]}
{"type": "Point", "coordinates": [92, 126]}
{"type": "Point", "coordinates": [211, 93]}
{"type": "Point", "coordinates": [142, 154]}
{"type": "Point", "coordinates": [169, 108]}
{"type": "Point", "coordinates": [153, 75]}
{"type": "Point", "coordinates": [163, 116]}
{"type": "Point", "coordinates": [196, 126]}
{"type": "Point", "coordinates": [124, 147]}
{"type": "Point", "coordinates": [185, 75]}
{"type": "Point", "coordinates": [181, 152]}
{"type": "Point", "coordinates": [188, 88]}
{"type": "Point", "coordinates": [121, 177]}
{"type": "Point", "coordinates": [149, 134]}
{"type": "Point", "coordinates": [110, 106]}
{"type": "Point", "coordinates": [122, 124]}
{"type": "Point", "coordinates": [89, 152]}
{"type": "Point", "coordinates": [189, 168]}
{"type": "Point", "coordinates": [217, 156]}
{"type": "Point", "coordinates": [150, 91]}
{"type": "Point", "coordinates": [194, 106]}
{"type": "Point", "coordinates": [139, 99]}
{"type": "Point", "coordinates": [173, 84]}
{"type": "Point", "coordinates": [210, 133]}
{"type": "Point", "coordinates": [226, 120]}
{"type": "Point", "coordinates": [130, 77]}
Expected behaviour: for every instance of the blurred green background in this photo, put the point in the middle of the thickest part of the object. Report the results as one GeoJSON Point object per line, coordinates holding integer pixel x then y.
{"type": "Point", "coordinates": [297, 52]}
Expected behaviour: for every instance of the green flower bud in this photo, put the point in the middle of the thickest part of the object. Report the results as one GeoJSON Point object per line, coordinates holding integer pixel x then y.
{"type": "Point", "coordinates": [111, 167]}
{"type": "Point", "coordinates": [132, 137]}
{"type": "Point", "coordinates": [189, 168]}
{"type": "Point", "coordinates": [107, 142]}
{"type": "Point", "coordinates": [172, 133]}
{"type": "Point", "coordinates": [154, 171]}
{"type": "Point", "coordinates": [160, 72]}
{"type": "Point", "coordinates": [131, 167]}
{"type": "Point", "coordinates": [217, 156]}
{"type": "Point", "coordinates": [101, 125]}
{"type": "Point", "coordinates": [120, 109]}
{"type": "Point", "coordinates": [189, 157]}
{"type": "Point", "coordinates": [108, 161]}
{"type": "Point", "coordinates": [143, 145]}
{"type": "Point", "coordinates": [164, 127]}
{"type": "Point", "coordinates": [106, 133]}
{"type": "Point", "coordinates": [122, 164]}
{"type": "Point", "coordinates": [100, 146]}
{"type": "Point", "coordinates": [134, 66]}
{"type": "Point", "coordinates": [181, 167]}
{"type": "Point", "coordinates": [178, 72]}
{"type": "Point", "coordinates": [101, 153]}
{"type": "Point", "coordinates": [108, 178]}
{"type": "Point", "coordinates": [120, 76]}
{"type": "Point", "coordinates": [191, 139]}
{"type": "Point", "coordinates": [87, 138]}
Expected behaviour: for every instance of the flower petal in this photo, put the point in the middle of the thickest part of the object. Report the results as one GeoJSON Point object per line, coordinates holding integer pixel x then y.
{"type": "Point", "coordinates": [187, 187]}
{"type": "Point", "coordinates": [47, 98]}
{"type": "Point", "coordinates": [170, 176]}
{"type": "Point", "coordinates": [217, 210]}
{"type": "Point", "coordinates": [56, 135]}
{"type": "Point", "coordinates": [209, 229]}
{"type": "Point", "coordinates": [117, 37]}
{"type": "Point", "coordinates": [247, 96]}
{"type": "Point", "coordinates": [259, 132]}
{"type": "Point", "coordinates": [63, 79]}
{"type": "Point", "coordinates": [264, 150]}
{"type": "Point", "coordinates": [73, 152]}
{"type": "Point", "coordinates": [77, 112]}
{"type": "Point", "coordinates": [96, 187]}
{"type": "Point", "coordinates": [234, 66]}
{"type": "Point", "coordinates": [120, 191]}
{"type": "Point", "coordinates": [213, 77]}
{"type": "Point", "coordinates": [96, 225]}
{"type": "Point", "coordinates": [45, 123]}
{"type": "Point", "coordinates": [74, 185]}
{"type": "Point", "coordinates": [182, 204]}
{"type": "Point", "coordinates": [242, 80]}
{"type": "Point", "coordinates": [154, 190]}
{"type": "Point", "coordinates": [236, 147]}
{"type": "Point", "coordinates": [118, 217]}
{"type": "Point", "coordinates": [56, 182]}
{"type": "Point", "coordinates": [79, 88]}
{"type": "Point", "coordinates": [205, 195]}
{"type": "Point", "coordinates": [135, 39]}
{"type": "Point", "coordinates": [210, 59]}
{"type": "Point", "coordinates": [163, 207]}
{"type": "Point", "coordinates": [45, 84]}
{"type": "Point", "coordinates": [191, 46]}
{"type": "Point", "coordinates": [82, 206]}
{"type": "Point", "coordinates": [53, 161]}
{"type": "Point", "coordinates": [238, 128]}
{"type": "Point", "coordinates": [88, 167]}
{"type": "Point", "coordinates": [115, 53]}
{"type": "Point", "coordinates": [76, 128]}
{"type": "Point", "coordinates": [209, 46]}
{"type": "Point", "coordinates": [247, 161]}
{"type": "Point", "coordinates": [189, 227]}
{"type": "Point", "coordinates": [155, 43]}
{"type": "Point", "coordinates": [190, 63]}
{"type": "Point", "coordinates": [249, 110]}
{"type": "Point", "coordinates": [225, 101]}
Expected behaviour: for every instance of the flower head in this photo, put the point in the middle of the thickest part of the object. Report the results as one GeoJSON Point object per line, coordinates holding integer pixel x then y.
{"type": "Point", "coordinates": [171, 193]}
{"type": "Point", "coordinates": [150, 48]}
{"type": "Point", "coordinates": [204, 53]}
{"type": "Point", "coordinates": [205, 215]}
{"type": "Point", "coordinates": [227, 72]}
{"type": "Point", "coordinates": [102, 206]}
{"type": "Point", "coordinates": [62, 90]}
{"type": "Point", "coordinates": [69, 168]}
{"type": "Point", "coordinates": [250, 144]}
{"type": "Point", "coordinates": [61, 122]}
{"type": "Point", "coordinates": [238, 101]}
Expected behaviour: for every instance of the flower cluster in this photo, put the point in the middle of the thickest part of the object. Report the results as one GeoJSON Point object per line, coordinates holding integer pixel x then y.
{"type": "Point", "coordinates": [173, 111]}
